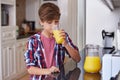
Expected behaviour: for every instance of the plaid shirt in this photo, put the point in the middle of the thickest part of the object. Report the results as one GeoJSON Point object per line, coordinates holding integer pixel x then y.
{"type": "Point", "coordinates": [34, 56]}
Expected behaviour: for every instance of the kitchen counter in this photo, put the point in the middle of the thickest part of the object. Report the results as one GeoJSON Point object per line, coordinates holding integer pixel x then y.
{"type": "Point", "coordinates": [73, 74]}
{"type": "Point", "coordinates": [70, 72]}
{"type": "Point", "coordinates": [77, 73]}
{"type": "Point", "coordinates": [30, 33]}
{"type": "Point", "coordinates": [24, 36]}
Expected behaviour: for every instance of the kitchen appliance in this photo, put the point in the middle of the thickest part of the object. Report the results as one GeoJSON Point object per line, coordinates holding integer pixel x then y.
{"type": "Point", "coordinates": [110, 66]}
{"type": "Point", "coordinates": [117, 77]}
{"type": "Point", "coordinates": [108, 38]}
{"type": "Point", "coordinates": [31, 24]}
{"type": "Point", "coordinates": [118, 37]}
{"type": "Point", "coordinates": [28, 26]}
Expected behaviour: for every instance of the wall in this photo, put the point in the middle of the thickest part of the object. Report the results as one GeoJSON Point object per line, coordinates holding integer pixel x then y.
{"type": "Point", "coordinates": [99, 17]}
{"type": "Point", "coordinates": [30, 10]}
{"type": "Point", "coordinates": [20, 11]}
{"type": "Point", "coordinates": [32, 7]}
{"type": "Point", "coordinates": [68, 19]}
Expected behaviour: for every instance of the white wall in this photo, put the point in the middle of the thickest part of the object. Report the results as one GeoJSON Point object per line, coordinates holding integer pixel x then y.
{"type": "Point", "coordinates": [32, 7]}
{"type": "Point", "coordinates": [30, 10]}
{"type": "Point", "coordinates": [99, 17]}
{"type": "Point", "coordinates": [68, 19]}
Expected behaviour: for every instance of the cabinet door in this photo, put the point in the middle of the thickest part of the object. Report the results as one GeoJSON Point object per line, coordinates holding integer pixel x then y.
{"type": "Point", "coordinates": [10, 2]}
{"type": "Point", "coordinates": [8, 61]}
{"type": "Point", "coordinates": [20, 50]}
{"type": "Point", "coordinates": [8, 33]}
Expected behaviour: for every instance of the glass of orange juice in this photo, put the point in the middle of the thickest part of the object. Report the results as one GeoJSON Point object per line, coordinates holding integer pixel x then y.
{"type": "Point", "coordinates": [58, 38]}
{"type": "Point", "coordinates": [92, 62]}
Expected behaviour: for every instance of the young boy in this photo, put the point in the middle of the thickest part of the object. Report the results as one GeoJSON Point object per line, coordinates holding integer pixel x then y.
{"type": "Point", "coordinates": [44, 55]}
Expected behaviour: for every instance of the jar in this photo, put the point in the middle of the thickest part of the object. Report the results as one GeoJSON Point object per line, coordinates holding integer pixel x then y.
{"type": "Point", "coordinates": [92, 62]}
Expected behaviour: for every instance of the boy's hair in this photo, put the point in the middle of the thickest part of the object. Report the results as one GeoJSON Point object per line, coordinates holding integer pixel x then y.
{"type": "Point", "coordinates": [49, 12]}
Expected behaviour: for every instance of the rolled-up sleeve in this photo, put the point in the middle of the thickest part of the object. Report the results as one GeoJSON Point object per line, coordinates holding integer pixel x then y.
{"type": "Point", "coordinates": [30, 53]}
{"type": "Point", "coordinates": [69, 41]}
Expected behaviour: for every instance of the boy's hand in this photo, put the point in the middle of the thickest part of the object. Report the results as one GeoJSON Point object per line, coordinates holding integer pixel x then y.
{"type": "Point", "coordinates": [63, 35]}
{"type": "Point", "coordinates": [54, 69]}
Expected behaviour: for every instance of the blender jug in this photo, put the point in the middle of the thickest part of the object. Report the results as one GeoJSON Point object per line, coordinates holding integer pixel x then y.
{"type": "Point", "coordinates": [92, 62]}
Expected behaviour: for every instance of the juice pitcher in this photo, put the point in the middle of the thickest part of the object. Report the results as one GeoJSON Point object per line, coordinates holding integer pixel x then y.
{"type": "Point", "coordinates": [92, 62]}
{"type": "Point", "coordinates": [90, 76]}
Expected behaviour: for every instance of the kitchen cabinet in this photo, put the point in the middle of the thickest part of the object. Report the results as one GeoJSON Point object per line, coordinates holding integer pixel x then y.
{"type": "Point", "coordinates": [8, 57]}
{"type": "Point", "coordinates": [112, 4]}
{"type": "Point", "coordinates": [20, 50]}
{"type": "Point", "coordinates": [7, 41]}
{"type": "Point", "coordinates": [9, 2]}
{"type": "Point", "coordinates": [109, 4]}
{"type": "Point", "coordinates": [8, 33]}
{"type": "Point", "coordinates": [13, 64]}
{"type": "Point", "coordinates": [8, 14]}
{"type": "Point", "coordinates": [8, 54]}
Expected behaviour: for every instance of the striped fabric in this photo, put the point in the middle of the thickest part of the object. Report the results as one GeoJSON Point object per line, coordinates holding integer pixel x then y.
{"type": "Point", "coordinates": [34, 55]}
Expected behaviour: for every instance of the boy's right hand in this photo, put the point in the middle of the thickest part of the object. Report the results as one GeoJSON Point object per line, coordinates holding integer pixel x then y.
{"type": "Point", "coordinates": [54, 69]}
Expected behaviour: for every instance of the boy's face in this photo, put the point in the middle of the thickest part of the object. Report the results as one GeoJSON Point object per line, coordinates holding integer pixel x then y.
{"type": "Point", "coordinates": [49, 25]}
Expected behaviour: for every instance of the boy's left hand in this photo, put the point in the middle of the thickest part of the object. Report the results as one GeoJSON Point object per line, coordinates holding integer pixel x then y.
{"type": "Point", "coordinates": [63, 35]}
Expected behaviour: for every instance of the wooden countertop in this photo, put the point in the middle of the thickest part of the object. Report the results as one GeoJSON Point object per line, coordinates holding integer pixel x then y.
{"type": "Point", "coordinates": [30, 33]}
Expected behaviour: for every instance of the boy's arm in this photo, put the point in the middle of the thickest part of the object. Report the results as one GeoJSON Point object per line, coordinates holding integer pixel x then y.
{"type": "Point", "coordinates": [70, 47]}
{"type": "Point", "coordinates": [74, 53]}
{"type": "Point", "coordinates": [39, 71]}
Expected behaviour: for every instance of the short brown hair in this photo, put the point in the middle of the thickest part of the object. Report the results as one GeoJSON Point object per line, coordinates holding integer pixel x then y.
{"type": "Point", "coordinates": [49, 12]}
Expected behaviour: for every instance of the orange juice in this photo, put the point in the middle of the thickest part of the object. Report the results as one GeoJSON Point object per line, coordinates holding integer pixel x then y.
{"type": "Point", "coordinates": [92, 64]}
{"type": "Point", "coordinates": [58, 39]}
{"type": "Point", "coordinates": [91, 76]}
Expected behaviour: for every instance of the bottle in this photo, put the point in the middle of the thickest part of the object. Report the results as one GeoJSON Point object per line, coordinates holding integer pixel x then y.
{"type": "Point", "coordinates": [92, 62]}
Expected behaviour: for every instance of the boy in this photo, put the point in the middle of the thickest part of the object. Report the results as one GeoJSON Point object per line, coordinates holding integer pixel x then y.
{"type": "Point", "coordinates": [44, 55]}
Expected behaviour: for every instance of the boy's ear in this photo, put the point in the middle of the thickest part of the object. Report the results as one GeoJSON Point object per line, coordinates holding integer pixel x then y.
{"type": "Point", "coordinates": [41, 22]}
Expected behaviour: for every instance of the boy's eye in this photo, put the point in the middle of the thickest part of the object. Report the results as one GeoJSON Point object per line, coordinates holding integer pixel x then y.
{"type": "Point", "coordinates": [49, 22]}
{"type": "Point", "coordinates": [56, 22]}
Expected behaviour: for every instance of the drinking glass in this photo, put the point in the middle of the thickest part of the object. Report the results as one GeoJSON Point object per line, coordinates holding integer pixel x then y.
{"type": "Point", "coordinates": [56, 32]}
